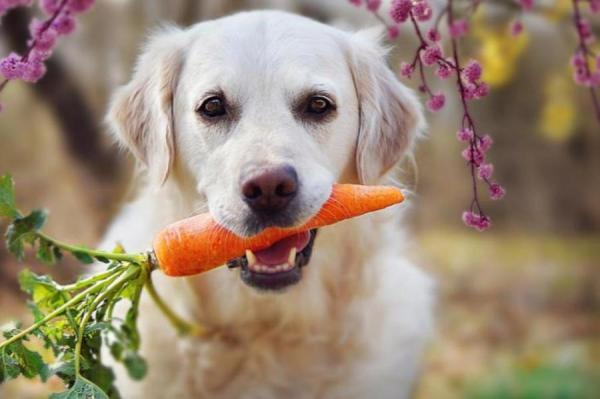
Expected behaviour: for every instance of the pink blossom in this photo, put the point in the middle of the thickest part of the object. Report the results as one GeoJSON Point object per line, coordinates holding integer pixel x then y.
{"type": "Point", "coordinates": [472, 72]}
{"type": "Point", "coordinates": [406, 69]}
{"type": "Point", "coordinates": [422, 11]}
{"type": "Point", "coordinates": [465, 134]}
{"type": "Point", "coordinates": [595, 6]}
{"type": "Point", "coordinates": [400, 10]}
{"type": "Point", "coordinates": [393, 32]}
{"type": "Point", "coordinates": [478, 222]}
{"type": "Point", "coordinates": [436, 102]}
{"type": "Point", "coordinates": [64, 24]}
{"type": "Point", "coordinates": [485, 171]}
{"type": "Point", "coordinates": [434, 35]}
{"type": "Point", "coordinates": [482, 90]}
{"type": "Point", "coordinates": [516, 28]}
{"type": "Point", "coordinates": [42, 40]}
{"type": "Point", "coordinates": [578, 60]}
{"type": "Point", "coordinates": [473, 155]}
{"type": "Point", "coordinates": [34, 71]}
{"type": "Point", "coordinates": [496, 191]}
{"type": "Point", "coordinates": [79, 6]}
{"type": "Point", "coordinates": [526, 4]}
{"type": "Point", "coordinates": [485, 143]}
{"type": "Point", "coordinates": [373, 5]}
{"type": "Point", "coordinates": [443, 72]}
{"type": "Point", "coordinates": [430, 54]}
{"type": "Point", "coordinates": [50, 6]}
{"type": "Point", "coordinates": [585, 30]}
{"type": "Point", "coordinates": [357, 3]}
{"type": "Point", "coordinates": [13, 67]}
{"type": "Point", "coordinates": [458, 28]}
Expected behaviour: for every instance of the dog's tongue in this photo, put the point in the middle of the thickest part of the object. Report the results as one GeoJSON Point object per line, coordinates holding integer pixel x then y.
{"type": "Point", "coordinates": [278, 253]}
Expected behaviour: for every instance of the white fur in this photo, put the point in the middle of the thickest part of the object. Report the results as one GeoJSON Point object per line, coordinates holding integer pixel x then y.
{"type": "Point", "coordinates": [356, 324]}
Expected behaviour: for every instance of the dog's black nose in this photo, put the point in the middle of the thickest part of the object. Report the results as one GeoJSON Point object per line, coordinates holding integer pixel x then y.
{"type": "Point", "coordinates": [270, 189]}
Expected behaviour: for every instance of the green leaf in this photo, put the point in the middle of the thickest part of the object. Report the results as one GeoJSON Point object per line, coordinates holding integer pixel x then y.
{"type": "Point", "coordinates": [136, 366]}
{"type": "Point", "coordinates": [7, 197]}
{"type": "Point", "coordinates": [102, 376]}
{"type": "Point", "coordinates": [30, 363]}
{"type": "Point", "coordinates": [46, 252]}
{"type": "Point", "coordinates": [83, 257]}
{"type": "Point", "coordinates": [82, 389]}
{"type": "Point", "coordinates": [102, 259]}
{"type": "Point", "coordinates": [9, 368]}
{"type": "Point", "coordinates": [23, 230]}
{"type": "Point", "coordinates": [44, 292]}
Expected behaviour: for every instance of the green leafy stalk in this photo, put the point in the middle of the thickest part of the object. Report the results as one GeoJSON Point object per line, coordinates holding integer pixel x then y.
{"type": "Point", "coordinates": [75, 320]}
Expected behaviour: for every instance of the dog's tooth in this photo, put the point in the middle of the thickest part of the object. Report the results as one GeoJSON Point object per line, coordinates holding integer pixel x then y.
{"type": "Point", "coordinates": [251, 258]}
{"type": "Point", "coordinates": [292, 256]}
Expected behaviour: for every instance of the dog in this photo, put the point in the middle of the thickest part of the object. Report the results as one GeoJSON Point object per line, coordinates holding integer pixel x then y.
{"type": "Point", "coordinates": [253, 117]}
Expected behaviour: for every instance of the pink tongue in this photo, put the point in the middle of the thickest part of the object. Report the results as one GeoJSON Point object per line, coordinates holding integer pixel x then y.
{"type": "Point", "coordinates": [277, 254]}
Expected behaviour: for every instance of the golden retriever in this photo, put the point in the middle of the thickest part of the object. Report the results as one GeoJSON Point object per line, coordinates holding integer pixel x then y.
{"type": "Point", "coordinates": [253, 117]}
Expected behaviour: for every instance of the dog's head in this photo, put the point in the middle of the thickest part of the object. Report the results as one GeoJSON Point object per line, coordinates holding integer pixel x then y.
{"type": "Point", "coordinates": [260, 113]}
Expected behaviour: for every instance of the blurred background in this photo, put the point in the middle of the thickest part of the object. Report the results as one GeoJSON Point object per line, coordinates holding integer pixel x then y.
{"type": "Point", "coordinates": [519, 308]}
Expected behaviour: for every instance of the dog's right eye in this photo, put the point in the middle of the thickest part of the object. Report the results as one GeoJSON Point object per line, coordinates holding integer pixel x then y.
{"type": "Point", "coordinates": [212, 107]}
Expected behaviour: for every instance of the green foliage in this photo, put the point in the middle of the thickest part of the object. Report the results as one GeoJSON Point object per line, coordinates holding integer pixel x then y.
{"type": "Point", "coordinates": [73, 321]}
{"type": "Point", "coordinates": [7, 198]}
{"type": "Point", "coordinates": [548, 382]}
{"type": "Point", "coordinates": [81, 389]}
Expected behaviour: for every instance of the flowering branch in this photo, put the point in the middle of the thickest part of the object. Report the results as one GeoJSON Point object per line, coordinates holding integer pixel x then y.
{"type": "Point", "coordinates": [469, 86]}
{"type": "Point", "coordinates": [583, 57]}
{"type": "Point", "coordinates": [30, 67]}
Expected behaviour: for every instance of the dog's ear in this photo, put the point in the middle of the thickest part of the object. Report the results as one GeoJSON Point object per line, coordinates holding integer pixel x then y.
{"type": "Point", "coordinates": [141, 112]}
{"type": "Point", "coordinates": [390, 114]}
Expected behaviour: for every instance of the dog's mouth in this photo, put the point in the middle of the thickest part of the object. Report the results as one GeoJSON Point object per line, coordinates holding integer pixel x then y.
{"type": "Point", "coordinates": [278, 266]}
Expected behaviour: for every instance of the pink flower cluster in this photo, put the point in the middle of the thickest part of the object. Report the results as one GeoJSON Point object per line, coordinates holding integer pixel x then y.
{"type": "Point", "coordinates": [585, 63]}
{"type": "Point", "coordinates": [60, 21]}
{"type": "Point", "coordinates": [469, 86]}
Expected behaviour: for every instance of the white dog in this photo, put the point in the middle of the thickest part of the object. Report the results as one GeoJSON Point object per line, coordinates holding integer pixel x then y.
{"type": "Point", "coordinates": [253, 117]}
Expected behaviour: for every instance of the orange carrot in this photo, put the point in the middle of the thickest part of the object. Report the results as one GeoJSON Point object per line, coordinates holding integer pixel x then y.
{"type": "Point", "coordinates": [199, 243]}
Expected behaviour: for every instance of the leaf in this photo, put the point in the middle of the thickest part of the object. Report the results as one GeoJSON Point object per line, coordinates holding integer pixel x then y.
{"type": "Point", "coordinates": [102, 259]}
{"type": "Point", "coordinates": [94, 328]}
{"type": "Point", "coordinates": [46, 252]}
{"type": "Point", "coordinates": [136, 366]}
{"type": "Point", "coordinates": [46, 294]}
{"type": "Point", "coordinates": [82, 389]}
{"type": "Point", "coordinates": [7, 197]}
{"type": "Point", "coordinates": [102, 376]}
{"type": "Point", "coordinates": [9, 368]}
{"type": "Point", "coordinates": [23, 230]}
{"type": "Point", "coordinates": [29, 363]}
{"type": "Point", "coordinates": [83, 257]}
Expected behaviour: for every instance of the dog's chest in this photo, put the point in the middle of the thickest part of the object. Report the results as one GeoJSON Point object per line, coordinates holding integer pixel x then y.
{"type": "Point", "coordinates": [270, 364]}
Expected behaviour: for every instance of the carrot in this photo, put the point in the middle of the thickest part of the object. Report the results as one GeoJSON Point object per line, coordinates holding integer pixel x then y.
{"type": "Point", "coordinates": [197, 244]}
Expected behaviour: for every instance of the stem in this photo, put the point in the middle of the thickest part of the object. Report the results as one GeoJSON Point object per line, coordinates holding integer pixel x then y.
{"type": "Point", "coordinates": [466, 115]}
{"type": "Point", "coordinates": [183, 327]}
{"type": "Point", "coordinates": [75, 300]}
{"type": "Point", "coordinates": [87, 282]}
{"type": "Point", "coordinates": [113, 283]}
{"type": "Point", "coordinates": [132, 258]}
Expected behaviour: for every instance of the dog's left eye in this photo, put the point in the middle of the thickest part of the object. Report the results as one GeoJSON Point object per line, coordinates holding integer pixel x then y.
{"type": "Point", "coordinates": [212, 107]}
{"type": "Point", "coordinates": [318, 105]}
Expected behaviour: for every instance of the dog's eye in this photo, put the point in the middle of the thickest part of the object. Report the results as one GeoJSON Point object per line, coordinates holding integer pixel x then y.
{"type": "Point", "coordinates": [212, 107]}
{"type": "Point", "coordinates": [318, 105]}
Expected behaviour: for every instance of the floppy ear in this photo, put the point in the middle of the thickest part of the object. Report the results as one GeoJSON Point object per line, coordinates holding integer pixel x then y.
{"type": "Point", "coordinates": [390, 114]}
{"type": "Point", "coordinates": [141, 112]}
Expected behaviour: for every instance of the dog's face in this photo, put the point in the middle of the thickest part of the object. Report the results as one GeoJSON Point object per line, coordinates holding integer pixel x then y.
{"type": "Point", "coordinates": [262, 112]}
